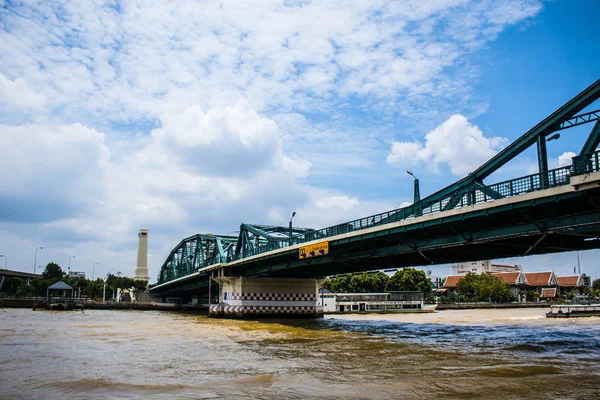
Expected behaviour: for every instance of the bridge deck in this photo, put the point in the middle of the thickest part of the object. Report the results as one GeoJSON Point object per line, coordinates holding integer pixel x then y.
{"type": "Point", "coordinates": [398, 242]}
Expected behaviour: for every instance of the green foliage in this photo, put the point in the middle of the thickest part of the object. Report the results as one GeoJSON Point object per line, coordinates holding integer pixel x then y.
{"type": "Point", "coordinates": [409, 279]}
{"type": "Point", "coordinates": [140, 285]}
{"type": "Point", "coordinates": [53, 271]}
{"type": "Point", "coordinates": [483, 287]}
{"type": "Point", "coordinates": [94, 289]}
{"type": "Point", "coordinates": [360, 282]}
{"type": "Point", "coordinates": [532, 295]}
{"type": "Point", "coordinates": [596, 284]}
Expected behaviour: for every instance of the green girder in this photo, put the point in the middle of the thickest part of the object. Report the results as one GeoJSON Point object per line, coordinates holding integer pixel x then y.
{"type": "Point", "coordinates": [200, 251]}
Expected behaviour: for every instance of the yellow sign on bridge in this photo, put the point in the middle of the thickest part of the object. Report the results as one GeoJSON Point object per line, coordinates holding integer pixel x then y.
{"type": "Point", "coordinates": [313, 250]}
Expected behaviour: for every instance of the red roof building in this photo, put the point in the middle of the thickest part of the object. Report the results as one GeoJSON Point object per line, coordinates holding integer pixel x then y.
{"type": "Point", "coordinates": [541, 279]}
{"type": "Point", "coordinates": [512, 278]}
{"type": "Point", "coordinates": [548, 293]}
{"type": "Point", "coordinates": [570, 281]}
{"type": "Point", "coordinates": [452, 281]}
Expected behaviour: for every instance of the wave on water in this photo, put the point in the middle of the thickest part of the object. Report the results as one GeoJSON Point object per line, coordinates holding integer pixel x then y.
{"type": "Point", "coordinates": [527, 347]}
{"type": "Point", "coordinates": [530, 340]}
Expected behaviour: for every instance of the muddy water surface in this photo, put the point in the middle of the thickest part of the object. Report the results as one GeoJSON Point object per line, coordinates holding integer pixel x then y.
{"type": "Point", "coordinates": [492, 354]}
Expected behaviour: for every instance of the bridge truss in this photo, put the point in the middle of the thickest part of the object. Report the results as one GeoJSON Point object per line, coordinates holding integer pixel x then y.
{"type": "Point", "coordinates": [201, 251]}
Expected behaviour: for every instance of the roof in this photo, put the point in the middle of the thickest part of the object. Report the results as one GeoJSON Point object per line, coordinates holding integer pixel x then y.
{"type": "Point", "coordinates": [548, 292]}
{"type": "Point", "coordinates": [60, 285]}
{"type": "Point", "coordinates": [540, 278]}
{"type": "Point", "coordinates": [452, 280]}
{"type": "Point", "coordinates": [512, 278]}
{"type": "Point", "coordinates": [569, 281]}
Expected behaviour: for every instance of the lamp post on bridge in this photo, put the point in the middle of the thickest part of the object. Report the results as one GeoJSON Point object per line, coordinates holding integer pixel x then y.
{"type": "Point", "coordinates": [35, 259]}
{"type": "Point", "coordinates": [417, 193]}
{"type": "Point", "coordinates": [293, 215]}
{"type": "Point", "coordinates": [5, 259]}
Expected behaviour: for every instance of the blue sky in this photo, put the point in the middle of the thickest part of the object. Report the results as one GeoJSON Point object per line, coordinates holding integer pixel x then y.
{"type": "Point", "coordinates": [186, 118]}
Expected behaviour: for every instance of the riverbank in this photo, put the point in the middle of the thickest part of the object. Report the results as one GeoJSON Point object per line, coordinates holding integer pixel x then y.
{"type": "Point", "coordinates": [475, 306]}
{"type": "Point", "coordinates": [109, 305]}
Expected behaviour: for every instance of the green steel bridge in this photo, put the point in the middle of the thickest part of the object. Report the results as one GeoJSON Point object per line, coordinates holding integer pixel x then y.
{"type": "Point", "coordinates": [554, 210]}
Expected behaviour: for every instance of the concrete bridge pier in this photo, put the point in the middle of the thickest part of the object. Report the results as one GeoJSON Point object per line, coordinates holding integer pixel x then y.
{"type": "Point", "coordinates": [251, 298]}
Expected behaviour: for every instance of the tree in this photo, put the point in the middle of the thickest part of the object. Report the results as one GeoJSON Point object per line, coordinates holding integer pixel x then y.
{"type": "Point", "coordinates": [94, 289]}
{"type": "Point", "coordinates": [409, 279]}
{"type": "Point", "coordinates": [53, 271]}
{"type": "Point", "coordinates": [596, 284]}
{"type": "Point", "coordinates": [483, 287]}
{"type": "Point", "coordinates": [359, 282]}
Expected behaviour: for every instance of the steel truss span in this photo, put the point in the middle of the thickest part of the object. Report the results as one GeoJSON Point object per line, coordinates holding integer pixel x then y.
{"type": "Point", "coordinates": [263, 250]}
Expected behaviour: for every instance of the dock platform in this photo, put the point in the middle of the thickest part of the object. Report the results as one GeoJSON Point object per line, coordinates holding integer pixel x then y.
{"type": "Point", "coordinates": [574, 311]}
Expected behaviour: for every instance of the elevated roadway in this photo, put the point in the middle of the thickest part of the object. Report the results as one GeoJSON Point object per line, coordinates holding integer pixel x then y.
{"type": "Point", "coordinates": [547, 212]}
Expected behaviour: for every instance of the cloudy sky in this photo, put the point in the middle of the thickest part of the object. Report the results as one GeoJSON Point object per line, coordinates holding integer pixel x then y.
{"type": "Point", "coordinates": [185, 117]}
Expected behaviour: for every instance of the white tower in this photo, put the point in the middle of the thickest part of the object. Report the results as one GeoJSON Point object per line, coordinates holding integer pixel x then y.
{"type": "Point", "coordinates": [141, 268]}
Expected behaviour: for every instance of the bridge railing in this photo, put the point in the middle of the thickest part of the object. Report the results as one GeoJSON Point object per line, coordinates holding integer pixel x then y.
{"type": "Point", "coordinates": [513, 187]}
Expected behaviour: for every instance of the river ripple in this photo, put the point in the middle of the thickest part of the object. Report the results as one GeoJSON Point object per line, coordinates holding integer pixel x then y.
{"type": "Point", "coordinates": [492, 354]}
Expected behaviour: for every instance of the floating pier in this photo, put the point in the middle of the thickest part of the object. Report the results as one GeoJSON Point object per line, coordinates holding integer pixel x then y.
{"type": "Point", "coordinates": [574, 311]}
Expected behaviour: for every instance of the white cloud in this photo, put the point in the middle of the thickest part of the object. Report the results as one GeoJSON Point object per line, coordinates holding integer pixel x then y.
{"type": "Point", "coordinates": [565, 159]}
{"type": "Point", "coordinates": [199, 171]}
{"type": "Point", "coordinates": [233, 141]}
{"type": "Point", "coordinates": [52, 169]}
{"type": "Point", "coordinates": [207, 109]}
{"type": "Point", "coordinates": [285, 56]}
{"type": "Point", "coordinates": [455, 143]}
{"type": "Point", "coordinates": [16, 95]}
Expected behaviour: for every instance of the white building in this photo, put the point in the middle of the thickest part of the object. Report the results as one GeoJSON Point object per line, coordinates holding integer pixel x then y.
{"type": "Point", "coordinates": [74, 274]}
{"type": "Point", "coordinates": [480, 267]}
{"type": "Point", "coordinates": [370, 302]}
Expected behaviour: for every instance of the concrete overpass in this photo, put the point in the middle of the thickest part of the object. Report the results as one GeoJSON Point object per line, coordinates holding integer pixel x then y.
{"type": "Point", "coordinates": [7, 273]}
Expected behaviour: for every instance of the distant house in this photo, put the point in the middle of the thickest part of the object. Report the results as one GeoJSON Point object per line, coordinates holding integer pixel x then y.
{"type": "Point", "coordinates": [570, 284]}
{"type": "Point", "coordinates": [449, 286]}
{"type": "Point", "coordinates": [516, 281]}
{"type": "Point", "coordinates": [548, 293]}
{"type": "Point", "coordinates": [540, 280]}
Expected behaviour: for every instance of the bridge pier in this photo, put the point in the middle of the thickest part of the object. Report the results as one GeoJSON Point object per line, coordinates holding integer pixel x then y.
{"type": "Point", "coordinates": [251, 298]}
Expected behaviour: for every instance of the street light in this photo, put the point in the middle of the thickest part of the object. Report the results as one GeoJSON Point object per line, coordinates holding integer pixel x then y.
{"type": "Point", "coordinates": [70, 262]}
{"type": "Point", "coordinates": [553, 137]}
{"type": "Point", "coordinates": [5, 259]}
{"type": "Point", "coordinates": [417, 193]}
{"type": "Point", "coordinates": [35, 259]}
{"type": "Point", "coordinates": [93, 269]}
{"type": "Point", "coordinates": [293, 215]}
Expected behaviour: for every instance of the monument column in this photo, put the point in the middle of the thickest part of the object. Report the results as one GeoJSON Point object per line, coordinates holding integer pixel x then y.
{"type": "Point", "coordinates": [141, 268]}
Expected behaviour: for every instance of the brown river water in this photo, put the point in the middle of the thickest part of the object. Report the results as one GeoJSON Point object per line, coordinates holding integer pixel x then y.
{"type": "Point", "coordinates": [472, 354]}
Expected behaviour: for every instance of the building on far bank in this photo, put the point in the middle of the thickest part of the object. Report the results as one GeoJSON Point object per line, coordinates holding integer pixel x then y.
{"type": "Point", "coordinates": [571, 284]}
{"type": "Point", "coordinates": [370, 302]}
{"type": "Point", "coordinates": [586, 280]}
{"type": "Point", "coordinates": [480, 267]}
{"type": "Point", "coordinates": [516, 281]}
{"type": "Point", "coordinates": [75, 275]}
{"type": "Point", "coordinates": [537, 281]}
